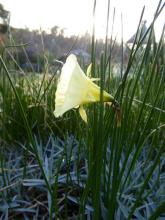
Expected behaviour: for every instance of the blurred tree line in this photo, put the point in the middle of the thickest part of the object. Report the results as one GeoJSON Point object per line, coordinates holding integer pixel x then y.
{"type": "Point", "coordinates": [57, 44]}
{"type": "Point", "coordinates": [53, 45]}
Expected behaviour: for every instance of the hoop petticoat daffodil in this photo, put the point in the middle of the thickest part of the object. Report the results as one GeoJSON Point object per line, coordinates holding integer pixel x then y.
{"type": "Point", "coordinates": [75, 89]}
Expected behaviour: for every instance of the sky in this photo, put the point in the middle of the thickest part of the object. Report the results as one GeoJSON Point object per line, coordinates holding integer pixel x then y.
{"type": "Point", "coordinates": [76, 15]}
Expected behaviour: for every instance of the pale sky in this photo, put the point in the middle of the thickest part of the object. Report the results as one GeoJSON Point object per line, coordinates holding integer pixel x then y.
{"type": "Point", "coordinates": [76, 15]}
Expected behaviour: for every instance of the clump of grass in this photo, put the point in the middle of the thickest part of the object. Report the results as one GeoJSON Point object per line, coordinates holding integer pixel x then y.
{"type": "Point", "coordinates": [69, 170]}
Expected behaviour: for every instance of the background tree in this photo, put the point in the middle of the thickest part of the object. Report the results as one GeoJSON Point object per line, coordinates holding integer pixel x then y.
{"type": "Point", "coordinates": [4, 15]}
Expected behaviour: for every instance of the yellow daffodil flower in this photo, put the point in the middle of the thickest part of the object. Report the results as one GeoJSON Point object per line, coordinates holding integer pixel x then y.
{"type": "Point", "coordinates": [75, 89]}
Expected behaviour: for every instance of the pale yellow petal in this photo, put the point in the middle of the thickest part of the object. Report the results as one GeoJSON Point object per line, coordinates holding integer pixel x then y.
{"type": "Point", "coordinates": [83, 114]}
{"type": "Point", "coordinates": [95, 79]}
{"type": "Point", "coordinates": [89, 70]}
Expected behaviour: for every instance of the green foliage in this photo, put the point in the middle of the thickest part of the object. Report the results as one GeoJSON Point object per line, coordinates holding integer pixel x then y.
{"type": "Point", "coordinates": [30, 89]}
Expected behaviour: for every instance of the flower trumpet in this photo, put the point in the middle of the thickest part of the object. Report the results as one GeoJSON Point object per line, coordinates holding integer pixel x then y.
{"type": "Point", "coordinates": [75, 89]}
